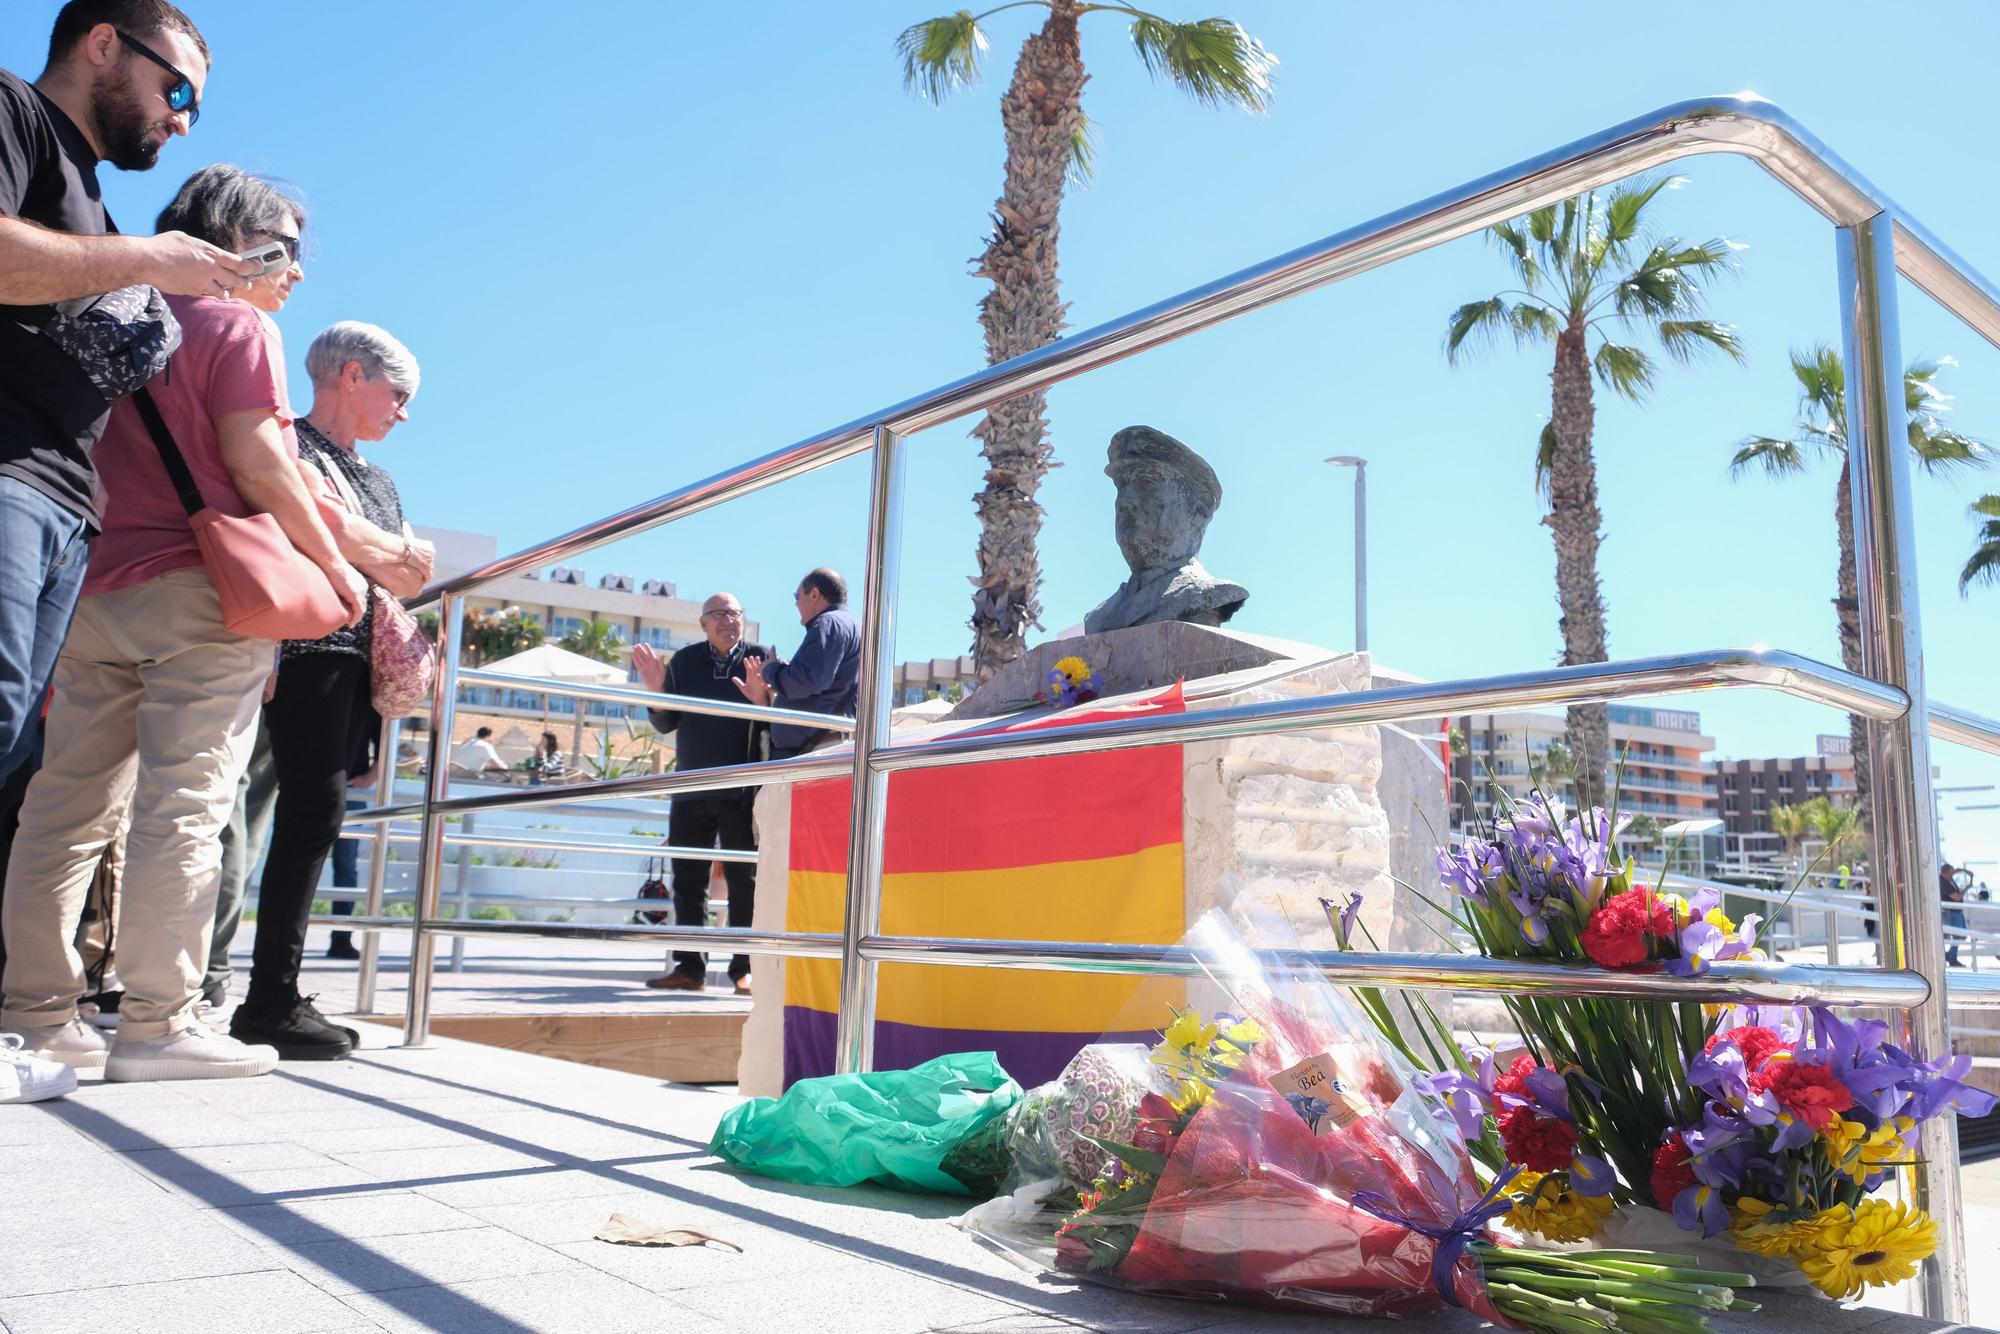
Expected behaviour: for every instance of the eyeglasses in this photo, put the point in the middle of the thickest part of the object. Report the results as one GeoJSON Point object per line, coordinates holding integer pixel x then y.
{"type": "Point", "coordinates": [726, 613]}
{"type": "Point", "coordinates": [180, 95]}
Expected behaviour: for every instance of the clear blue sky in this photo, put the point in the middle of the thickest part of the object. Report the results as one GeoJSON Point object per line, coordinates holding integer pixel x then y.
{"type": "Point", "coordinates": [630, 251]}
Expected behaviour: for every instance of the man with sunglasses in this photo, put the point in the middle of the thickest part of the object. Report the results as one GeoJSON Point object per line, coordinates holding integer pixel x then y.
{"type": "Point", "coordinates": [710, 669]}
{"type": "Point", "coordinates": [123, 77]}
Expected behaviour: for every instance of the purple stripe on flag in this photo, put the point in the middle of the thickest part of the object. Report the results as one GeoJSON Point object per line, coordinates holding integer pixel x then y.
{"type": "Point", "coordinates": [1031, 1058]}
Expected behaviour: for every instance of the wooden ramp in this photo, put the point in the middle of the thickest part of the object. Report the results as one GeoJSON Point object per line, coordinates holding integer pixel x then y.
{"type": "Point", "coordinates": [582, 1001]}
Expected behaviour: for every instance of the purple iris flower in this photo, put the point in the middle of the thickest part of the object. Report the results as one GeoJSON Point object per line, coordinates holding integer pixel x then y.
{"type": "Point", "coordinates": [1936, 1087]}
{"type": "Point", "coordinates": [1700, 1206]}
{"type": "Point", "coordinates": [1469, 1097]}
{"type": "Point", "coordinates": [1341, 918]}
{"type": "Point", "coordinates": [1462, 870]}
{"type": "Point", "coordinates": [1701, 943]}
{"type": "Point", "coordinates": [1589, 1175]}
{"type": "Point", "coordinates": [1722, 1075]}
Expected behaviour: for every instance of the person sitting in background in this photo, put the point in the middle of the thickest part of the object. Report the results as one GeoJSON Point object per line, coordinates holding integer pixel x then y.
{"type": "Point", "coordinates": [155, 699]}
{"type": "Point", "coordinates": [321, 716]}
{"type": "Point", "coordinates": [548, 760]}
{"type": "Point", "coordinates": [477, 754]}
{"type": "Point", "coordinates": [711, 669]}
{"type": "Point", "coordinates": [822, 677]}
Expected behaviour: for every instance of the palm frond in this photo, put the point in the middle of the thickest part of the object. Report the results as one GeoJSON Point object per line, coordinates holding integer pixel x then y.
{"type": "Point", "coordinates": [1778, 458]}
{"type": "Point", "coordinates": [1533, 323]}
{"type": "Point", "coordinates": [1473, 327]}
{"type": "Point", "coordinates": [1983, 566]}
{"type": "Point", "coordinates": [1082, 151]}
{"type": "Point", "coordinates": [1542, 225]}
{"type": "Point", "coordinates": [1822, 381]}
{"type": "Point", "coordinates": [1545, 459]}
{"type": "Point", "coordinates": [1521, 250]}
{"type": "Point", "coordinates": [1665, 285]}
{"type": "Point", "coordinates": [1628, 201]}
{"type": "Point", "coordinates": [1214, 61]}
{"type": "Point", "coordinates": [1624, 370]}
{"type": "Point", "coordinates": [1940, 451]}
{"type": "Point", "coordinates": [1684, 340]}
{"type": "Point", "coordinates": [941, 55]}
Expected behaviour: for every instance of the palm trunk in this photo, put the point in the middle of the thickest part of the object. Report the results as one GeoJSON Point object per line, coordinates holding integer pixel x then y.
{"type": "Point", "coordinates": [1847, 606]}
{"type": "Point", "coordinates": [1041, 112]}
{"type": "Point", "coordinates": [1574, 520]}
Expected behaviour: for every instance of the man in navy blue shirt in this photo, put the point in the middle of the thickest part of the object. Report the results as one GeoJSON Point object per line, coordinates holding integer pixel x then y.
{"type": "Point", "coordinates": [822, 676]}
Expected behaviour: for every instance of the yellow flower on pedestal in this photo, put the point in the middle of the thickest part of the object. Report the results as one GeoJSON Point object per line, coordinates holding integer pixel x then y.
{"type": "Point", "coordinates": [1881, 1242]}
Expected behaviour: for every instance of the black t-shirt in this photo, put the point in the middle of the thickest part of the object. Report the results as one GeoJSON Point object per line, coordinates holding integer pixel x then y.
{"type": "Point", "coordinates": [48, 175]}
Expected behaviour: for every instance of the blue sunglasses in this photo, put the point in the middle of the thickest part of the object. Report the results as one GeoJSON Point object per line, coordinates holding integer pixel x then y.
{"type": "Point", "coordinates": [180, 96]}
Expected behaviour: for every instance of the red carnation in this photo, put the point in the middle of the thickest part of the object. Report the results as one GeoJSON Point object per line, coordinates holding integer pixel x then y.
{"type": "Point", "coordinates": [1812, 1093]}
{"type": "Point", "coordinates": [1538, 1143]}
{"type": "Point", "coordinates": [1755, 1042]}
{"type": "Point", "coordinates": [1672, 1172]}
{"type": "Point", "coordinates": [1515, 1080]}
{"type": "Point", "coordinates": [1617, 931]}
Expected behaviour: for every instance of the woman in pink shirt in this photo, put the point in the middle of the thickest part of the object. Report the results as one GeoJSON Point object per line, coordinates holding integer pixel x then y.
{"type": "Point", "coordinates": [155, 701]}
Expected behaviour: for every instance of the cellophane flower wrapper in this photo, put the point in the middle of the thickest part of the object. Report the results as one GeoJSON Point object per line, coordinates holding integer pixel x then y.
{"type": "Point", "coordinates": [1253, 1202]}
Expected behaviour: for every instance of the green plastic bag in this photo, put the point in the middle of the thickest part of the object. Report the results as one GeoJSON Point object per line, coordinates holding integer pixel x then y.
{"type": "Point", "coordinates": [889, 1127]}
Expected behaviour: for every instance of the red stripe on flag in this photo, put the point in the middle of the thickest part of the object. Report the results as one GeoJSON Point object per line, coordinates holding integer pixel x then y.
{"type": "Point", "coordinates": [1010, 812]}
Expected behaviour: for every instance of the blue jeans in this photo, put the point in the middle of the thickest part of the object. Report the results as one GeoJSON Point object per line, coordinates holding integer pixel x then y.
{"type": "Point", "coordinates": [43, 551]}
{"type": "Point", "coordinates": [1953, 917]}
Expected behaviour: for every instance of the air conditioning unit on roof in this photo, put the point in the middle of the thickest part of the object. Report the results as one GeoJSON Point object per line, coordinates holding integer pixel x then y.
{"type": "Point", "coordinates": [657, 588]}
{"type": "Point", "coordinates": [566, 574]}
{"type": "Point", "coordinates": [617, 583]}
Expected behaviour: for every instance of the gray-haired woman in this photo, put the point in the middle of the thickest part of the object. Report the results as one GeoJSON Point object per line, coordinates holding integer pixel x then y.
{"type": "Point", "coordinates": [320, 720]}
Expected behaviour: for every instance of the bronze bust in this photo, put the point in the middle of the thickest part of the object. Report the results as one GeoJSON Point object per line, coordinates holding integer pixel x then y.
{"type": "Point", "coordinates": [1167, 493]}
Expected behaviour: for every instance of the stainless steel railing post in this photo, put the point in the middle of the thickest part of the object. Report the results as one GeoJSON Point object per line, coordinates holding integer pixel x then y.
{"type": "Point", "coordinates": [430, 846]}
{"type": "Point", "coordinates": [1892, 652]}
{"type": "Point", "coordinates": [378, 866]}
{"type": "Point", "coordinates": [854, 1043]}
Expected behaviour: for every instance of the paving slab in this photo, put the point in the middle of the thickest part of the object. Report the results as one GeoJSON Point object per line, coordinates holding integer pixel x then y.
{"type": "Point", "coordinates": [458, 1188]}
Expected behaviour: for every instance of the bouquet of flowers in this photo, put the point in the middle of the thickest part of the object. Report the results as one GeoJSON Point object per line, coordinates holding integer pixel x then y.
{"type": "Point", "coordinates": [1768, 1127]}
{"type": "Point", "coordinates": [1071, 682]}
{"type": "Point", "coordinates": [1278, 1153]}
{"type": "Point", "coordinates": [1549, 885]}
{"type": "Point", "coordinates": [1804, 1116]}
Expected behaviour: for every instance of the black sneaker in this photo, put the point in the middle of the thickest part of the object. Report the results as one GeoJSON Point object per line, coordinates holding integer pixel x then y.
{"type": "Point", "coordinates": [293, 1027]}
{"type": "Point", "coordinates": [342, 947]}
{"type": "Point", "coordinates": [306, 1004]}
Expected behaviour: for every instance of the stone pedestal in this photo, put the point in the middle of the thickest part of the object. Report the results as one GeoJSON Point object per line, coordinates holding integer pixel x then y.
{"type": "Point", "coordinates": [1271, 823]}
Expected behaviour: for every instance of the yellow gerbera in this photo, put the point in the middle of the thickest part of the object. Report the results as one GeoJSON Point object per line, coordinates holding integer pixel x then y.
{"type": "Point", "coordinates": [1548, 1208]}
{"type": "Point", "coordinates": [1760, 1228]}
{"type": "Point", "coordinates": [1880, 1242]}
{"type": "Point", "coordinates": [1191, 1095]}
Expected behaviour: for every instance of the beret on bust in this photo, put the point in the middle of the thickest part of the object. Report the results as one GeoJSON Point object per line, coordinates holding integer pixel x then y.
{"type": "Point", "coordinates": [1142, 447]}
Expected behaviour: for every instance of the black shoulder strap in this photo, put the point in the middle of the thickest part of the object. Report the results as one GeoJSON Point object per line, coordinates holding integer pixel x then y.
{"type": "Point", "coordinates": [170, 453]}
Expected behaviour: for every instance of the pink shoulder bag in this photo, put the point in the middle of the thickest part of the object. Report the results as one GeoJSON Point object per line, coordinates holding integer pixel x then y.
{"type": "Point", "coordinates": [267, 586]}
{"type": "Point", "coordinates": [402, 666]}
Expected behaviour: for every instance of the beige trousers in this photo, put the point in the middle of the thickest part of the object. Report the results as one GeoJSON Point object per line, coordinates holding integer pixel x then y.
{"type": "Point", "coordinates": [154, 702]}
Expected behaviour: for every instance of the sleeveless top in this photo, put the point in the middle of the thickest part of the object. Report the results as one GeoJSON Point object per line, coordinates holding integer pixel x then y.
{"type": "Point", "coordinates": [380, 505]}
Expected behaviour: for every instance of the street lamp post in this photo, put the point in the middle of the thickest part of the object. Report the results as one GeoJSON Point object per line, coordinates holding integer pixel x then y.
{"type": "Point", "coordinates": [1937, 808]}
{"type": "Point", "coordinates": [1360, 466]}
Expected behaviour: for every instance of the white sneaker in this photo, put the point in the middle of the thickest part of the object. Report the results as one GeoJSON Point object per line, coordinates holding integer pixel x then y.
{"type": "Point", "coordinates": [26, 1077]}
{"type": "Point", "coordinates": [212, 1016]}
{"type": "Point", "coordinates": [194, 1051]}
{"type": "Point", "coordinates": [75, 1044]}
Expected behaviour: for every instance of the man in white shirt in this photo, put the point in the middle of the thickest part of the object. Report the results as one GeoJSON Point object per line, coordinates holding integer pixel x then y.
{"type": "Point", "coordinates": [478, 754]}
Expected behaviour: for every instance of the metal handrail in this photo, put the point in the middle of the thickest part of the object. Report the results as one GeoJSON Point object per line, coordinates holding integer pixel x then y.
{"type": "Point", "coordinates": [1745, 125]}
{"type": "Point", "coordinates": [1965, 727]}
{"type": "Point", "coordinates": [647, 699]}
{"type": "Point", "coordinates": [1874, 240]}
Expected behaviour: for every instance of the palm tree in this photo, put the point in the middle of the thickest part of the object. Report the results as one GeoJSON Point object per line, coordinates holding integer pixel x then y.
{"type": "Point", "coordinates": [1588, 268]}
{"type": "Point", "coordinates": [1215, 62]}
{"type": "Point", "coordinates": [1791, 823]}
{"type": "Point", "coordinates": [599, 641]}
{"type": "Point", "coordinates": [1839, 827]}
{"type": "Point", "coordinates": [1821, 431]}
{"type": "Point", "coordinates": [1983, 565]}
